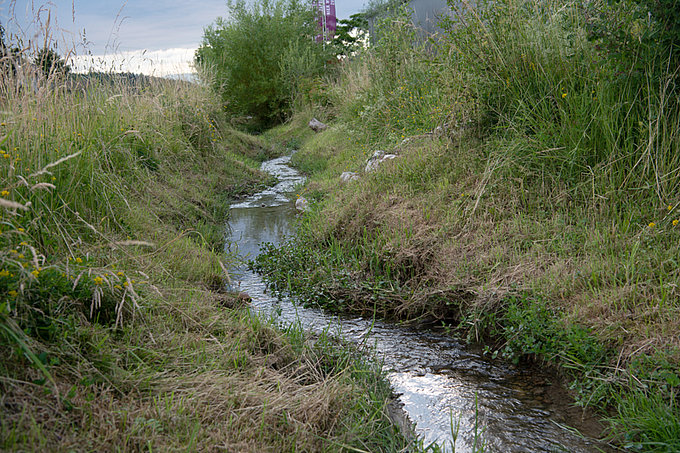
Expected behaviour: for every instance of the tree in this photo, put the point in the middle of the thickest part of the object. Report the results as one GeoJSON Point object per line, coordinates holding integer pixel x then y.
{"type": "Point", "coordinates": [51, 64]}
{"type": "Point", "coordinates": [256, 56]}
{"type": "Point", "coordinates": [351, 34]}
{"type": "Point", "coordinates": [8, 56]}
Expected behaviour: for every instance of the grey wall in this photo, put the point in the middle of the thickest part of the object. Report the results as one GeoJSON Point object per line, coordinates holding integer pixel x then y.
{"type": "Point", "coordinates": [426, 14]}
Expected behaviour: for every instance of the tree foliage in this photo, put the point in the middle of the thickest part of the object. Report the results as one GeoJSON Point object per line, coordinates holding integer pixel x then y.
{"type": "Point", "coordinates": [257, 56]}
{"type": "Point", "coordinates": [50, 63]}
{"type": "Point", "coordinates": [9, 56]}
{"type": "Point", "coordinates": [351, 34]}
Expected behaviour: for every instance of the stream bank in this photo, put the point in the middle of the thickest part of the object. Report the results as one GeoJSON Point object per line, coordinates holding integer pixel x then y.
{"type": "Point", "coordinates": [452, 393]}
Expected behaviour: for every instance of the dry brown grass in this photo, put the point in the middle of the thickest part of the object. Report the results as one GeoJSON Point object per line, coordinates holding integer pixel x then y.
{"type": "Point", "coordinates": [446, 215]}
{"type": "Point", "coordinates": [210, 382]}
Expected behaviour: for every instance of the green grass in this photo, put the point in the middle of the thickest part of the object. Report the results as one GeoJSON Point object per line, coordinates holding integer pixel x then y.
{"type": "Point", "coordinates": [115, 332]}
{"type": "Point", "coordinates": [541, 218]}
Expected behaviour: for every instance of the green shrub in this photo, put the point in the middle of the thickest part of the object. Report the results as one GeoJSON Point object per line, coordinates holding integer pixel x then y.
{"type": "Point", "coordinates": [257, 56]}
{"type": "Point", "coordinates": [636, 33]}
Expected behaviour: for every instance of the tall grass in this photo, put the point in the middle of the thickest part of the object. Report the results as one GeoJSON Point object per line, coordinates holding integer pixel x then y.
{"type": "Point", "coordinates": [75, 162]}
{"type": "Point", "coordinates": [540, 79]}
{"type": "Point", "coordinates": [115, 333]}
{"type": "Point", "coordinates": [538, 162]}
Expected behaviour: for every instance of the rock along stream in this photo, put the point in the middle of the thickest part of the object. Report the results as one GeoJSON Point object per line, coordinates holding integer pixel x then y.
{"type": "Point", "coordinates": [441, 383]}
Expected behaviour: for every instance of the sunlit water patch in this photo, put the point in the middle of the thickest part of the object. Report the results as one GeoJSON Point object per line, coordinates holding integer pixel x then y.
{"type": "Point", "coordinates": [447, 389]}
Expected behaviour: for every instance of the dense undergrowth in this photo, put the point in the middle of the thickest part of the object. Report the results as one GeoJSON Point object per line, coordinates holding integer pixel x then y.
{"type": "Point", "coordinates": [115, 334]}
{"type": "Point", "coordinates": [533, 204]}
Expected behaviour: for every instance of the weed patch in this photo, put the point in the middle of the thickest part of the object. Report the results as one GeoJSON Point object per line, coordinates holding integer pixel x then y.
{"type": "Point", "coordinates": [533, 199]}
{"type": "Point", "coordinates": [115, 332]}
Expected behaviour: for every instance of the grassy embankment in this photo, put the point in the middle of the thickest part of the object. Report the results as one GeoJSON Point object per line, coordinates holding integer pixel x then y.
{"type": "Point", "coordinates": [114, 333]}
{"type": "Point", "coordinates": [543, 219]}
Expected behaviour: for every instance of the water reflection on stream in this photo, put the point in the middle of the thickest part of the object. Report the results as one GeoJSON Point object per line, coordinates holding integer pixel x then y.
{"type": "Point", "coordinates": [438, 378]}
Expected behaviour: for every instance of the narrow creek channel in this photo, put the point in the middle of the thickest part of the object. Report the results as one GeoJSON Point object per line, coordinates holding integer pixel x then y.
{"type": "Point", "coordinates": [440, 381]}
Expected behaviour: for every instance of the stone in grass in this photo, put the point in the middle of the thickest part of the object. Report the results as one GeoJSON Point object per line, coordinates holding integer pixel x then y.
{"type": "Point", "coordinates": [348, 176]}
{"type": "Point", "coordinates": [376, 159]}
{"type": "Point", "coordinates": [316, 125]}
{"type": "Point", "coordinates": [232, 300]}
{"type": "Point", "coordinates": [302, 204]}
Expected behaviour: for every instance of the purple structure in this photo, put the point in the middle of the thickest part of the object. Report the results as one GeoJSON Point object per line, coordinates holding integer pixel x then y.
{"type": "Point", "coordinates": [327, 18]}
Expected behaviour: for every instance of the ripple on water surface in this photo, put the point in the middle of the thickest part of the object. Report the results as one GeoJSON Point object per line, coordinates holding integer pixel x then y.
{"type": "Point", "coordinates": [440, 382]}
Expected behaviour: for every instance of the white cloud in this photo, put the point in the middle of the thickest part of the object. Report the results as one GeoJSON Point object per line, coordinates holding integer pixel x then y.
{"type": "Point", "coordinates": [154, 62]}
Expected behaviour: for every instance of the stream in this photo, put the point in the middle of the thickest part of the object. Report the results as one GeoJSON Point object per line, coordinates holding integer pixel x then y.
{"type": "Point", "coordinates": [440, 382]}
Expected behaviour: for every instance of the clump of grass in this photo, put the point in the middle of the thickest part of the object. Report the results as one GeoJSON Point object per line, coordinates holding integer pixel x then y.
{"type": "Point", "coordinates": [115, 333]}
{"type": "Point", "coordinates": [555, 174]}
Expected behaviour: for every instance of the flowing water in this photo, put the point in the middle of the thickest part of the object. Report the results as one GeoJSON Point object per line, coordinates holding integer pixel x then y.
{"type": "Point", "coordinates": [444, 386]}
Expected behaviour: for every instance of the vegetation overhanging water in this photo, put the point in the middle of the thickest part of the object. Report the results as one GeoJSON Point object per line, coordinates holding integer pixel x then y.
{"type": "Point", "coordinates": [447, 389]}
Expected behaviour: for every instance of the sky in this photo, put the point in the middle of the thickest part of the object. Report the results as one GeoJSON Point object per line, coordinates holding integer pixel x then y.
{"type": "Point", "coordinates": [154, 37]}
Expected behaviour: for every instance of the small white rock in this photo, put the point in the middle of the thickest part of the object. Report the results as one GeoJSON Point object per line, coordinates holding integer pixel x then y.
{"type": "Point", "coordinates": [316, 125]}
{"type": "Point", "coordinates": [378, 158]}
{"type": "Point", "coordinates": [302, 204]}
{"type": "Point", "coordinates": [348, 176]}
{"type": "Point", "coordinates": [373, 161]}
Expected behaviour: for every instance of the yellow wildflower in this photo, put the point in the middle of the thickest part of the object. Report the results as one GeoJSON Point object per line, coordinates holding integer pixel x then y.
{"type": "Point", "coordinates": [13, 293]}
{"type": "Point", "coordinates": [652, 225]}
{"type": "Point", "coordinates": [675, 222]}
{"type": "Point", "coordinates": [126, 284]}
{"type": "Point", "coordinates": [670, 208]}
{"type": "Point", "coordinates": [35, 272]}
{"type": "Point", "coordinates": [4, 273]}
{"type": "Point", "coordinates": [564, 95]}
{"type": "Point", "coordinates": [120, 274]}
{"type": "Point", "coordinates": [20, 230]}
{"type": "Point", "coordinates": [79, 260]}
{"type": "Point", "coordinates": [117, 286]}
{"type": "Point", "coordinates": [4, 193]}
{"type": "Point", "coordinates": [21, 256]}
{"type": "Point", "coordinates": [97, 280]}
{"type": "Point", "coordinates": [23, 243]}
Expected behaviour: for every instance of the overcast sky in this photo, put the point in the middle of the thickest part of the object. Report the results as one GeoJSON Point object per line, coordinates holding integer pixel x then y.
{"type": "Point", "coordinates": [149, 36]}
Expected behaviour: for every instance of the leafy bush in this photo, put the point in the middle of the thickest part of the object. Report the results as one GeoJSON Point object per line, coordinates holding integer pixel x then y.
{"type": "Point", "coordinates": [50, 63]}
{"type": "Point", "coordinates": [636, 33]}
{"type": "Point", "coordinates": [531, 327]}
{"type": "Point", "coordinates": [257, 56]}
{"type": "Point", "coordinates": [351, 34]}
